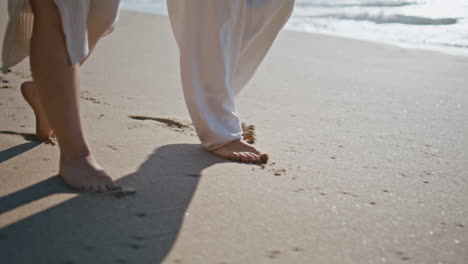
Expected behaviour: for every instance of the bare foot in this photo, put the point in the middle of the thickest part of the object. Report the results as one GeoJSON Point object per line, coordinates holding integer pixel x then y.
{"type": "Point", "coordinates": [85, 174]}
{"type": "Point", "coordinates": [29, 92]}
{"type": "Point", "coordinates": [242, 151]}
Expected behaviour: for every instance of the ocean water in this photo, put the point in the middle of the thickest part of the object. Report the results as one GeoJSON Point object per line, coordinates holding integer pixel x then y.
{"type": "Point", "coordinates": [440, 25]}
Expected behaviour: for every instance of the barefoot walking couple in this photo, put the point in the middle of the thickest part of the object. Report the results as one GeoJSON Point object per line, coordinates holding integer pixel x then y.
{"type": "Point", "coordinates": [221, 44]}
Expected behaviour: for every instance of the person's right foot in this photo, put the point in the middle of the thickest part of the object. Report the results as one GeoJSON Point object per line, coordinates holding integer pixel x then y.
{"type": "Point", "coordinates": [241, 151]}
{"type": "Point", "coordinates": [29, 92]}
{"type": "Point", "coordinates": [85, 174]}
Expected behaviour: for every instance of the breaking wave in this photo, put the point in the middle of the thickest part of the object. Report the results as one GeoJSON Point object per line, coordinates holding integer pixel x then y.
{"type": "Point", "coordinates": [387, 19]}
{"type": "Point", "coordinates": [357, 4]}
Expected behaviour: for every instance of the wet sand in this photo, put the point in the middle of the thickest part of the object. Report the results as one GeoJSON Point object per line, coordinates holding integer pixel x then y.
{"type": "Point", "coordinates": [368, 147]}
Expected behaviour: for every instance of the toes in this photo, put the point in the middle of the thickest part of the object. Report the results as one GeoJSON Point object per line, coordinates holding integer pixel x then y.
{"type": "Point", "coordinates": [264, 157]}
{"type": "Point", "coordinates": [244, 157]}
{"type": "Point", "coordinates": [236, 156]}
{"type": "Point", "coordinates": [107, 183]}
{"type": "Point", "coordinates": [242, 152]}
{"type": "Point", "coordinates": [247, 157]}
{"type": "Point", "coordinates": [112, 185]}
{"type": "Point", "coordinates": [253, 158]}
{"type": "Point", "coordinates": [256, 158]}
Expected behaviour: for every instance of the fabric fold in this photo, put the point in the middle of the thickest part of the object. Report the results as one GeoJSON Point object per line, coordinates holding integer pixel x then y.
{"type": "Point", "coordinates": [76, 16]}
{"type": "Point", "coordinates": [221, 44]}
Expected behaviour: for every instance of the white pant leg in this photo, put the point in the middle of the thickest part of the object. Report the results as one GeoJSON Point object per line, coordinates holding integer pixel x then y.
{"type": "Point", "coordinates": [216, 38]}
{"type": "Point", "coordinates": [265, 18]}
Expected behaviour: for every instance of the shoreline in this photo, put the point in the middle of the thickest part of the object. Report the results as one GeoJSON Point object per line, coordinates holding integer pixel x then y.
{"type": "Point", "coordinates": [448, 50]}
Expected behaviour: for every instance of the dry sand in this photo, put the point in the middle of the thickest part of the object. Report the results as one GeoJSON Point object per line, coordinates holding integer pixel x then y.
{"type": "Point", "coordinates": [370, 143]}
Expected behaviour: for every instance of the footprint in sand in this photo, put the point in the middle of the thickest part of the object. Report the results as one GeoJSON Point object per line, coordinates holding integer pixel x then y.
{"type": "Point", "coordinates": [24, 75]}
{"type": "Point", "coordinates": [112, 147]}
{"type": "Point", "coordinates": [85, 95]}
{"type": "Point", "coordinates": [271, 167]}
{"type": "Point", "coordinates": [183, 127]}
{"type": "Point", "coordinates": [350, 194]}
{"type": "Point", "coordinates": [274, 253]}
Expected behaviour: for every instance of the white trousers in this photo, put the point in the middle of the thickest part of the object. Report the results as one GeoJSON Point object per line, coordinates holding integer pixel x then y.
{"type": "Point", "coordinates": [221, 44]}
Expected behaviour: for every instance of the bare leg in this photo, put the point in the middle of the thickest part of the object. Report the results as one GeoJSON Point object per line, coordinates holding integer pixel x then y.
{"type": "Point", "coordinates": [31, 95]}
{"type": "Point", "coordinates": [57, 83]}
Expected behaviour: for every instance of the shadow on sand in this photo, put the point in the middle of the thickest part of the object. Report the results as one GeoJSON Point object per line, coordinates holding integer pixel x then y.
{"type": "Point", "coordinates": [19, 149]}
{"type": "Point", "coordinates": [141, 228]}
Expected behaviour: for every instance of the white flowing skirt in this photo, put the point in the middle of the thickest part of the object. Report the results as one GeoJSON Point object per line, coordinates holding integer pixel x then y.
{"type": "Point", "coordinates": [221, 44]}
{"type": "Point", "coordinates": [79, 19]}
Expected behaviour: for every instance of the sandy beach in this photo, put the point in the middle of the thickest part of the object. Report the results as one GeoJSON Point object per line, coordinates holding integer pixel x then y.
{"type": "Point", "coordinates": [368, 146]}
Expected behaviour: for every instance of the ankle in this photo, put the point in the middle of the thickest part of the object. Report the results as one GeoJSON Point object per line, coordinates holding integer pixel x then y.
{"type": "Point", "coordinates": [66, 158]}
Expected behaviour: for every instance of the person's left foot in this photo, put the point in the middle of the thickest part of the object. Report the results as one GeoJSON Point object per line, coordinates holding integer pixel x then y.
{"type": "Point", "coordinates": [29, 92]}
{"type": "Point", "coordinates": [85, 174]}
